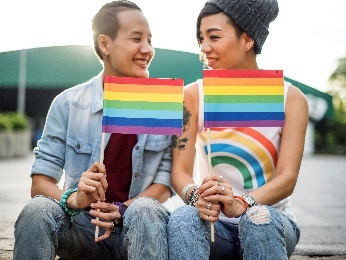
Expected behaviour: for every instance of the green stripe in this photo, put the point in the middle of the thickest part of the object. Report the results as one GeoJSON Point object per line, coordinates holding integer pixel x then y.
{"type": "Point", "coordinates": [244, 99]}
{"type": "Point", "coordinates": [142, 105]}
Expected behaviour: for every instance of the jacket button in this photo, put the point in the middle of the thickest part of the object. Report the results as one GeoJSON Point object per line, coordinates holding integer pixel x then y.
{"type": "Point", "coordinates": [137, 147]}
{"type": "Point", "coordinates": [78, 146]}
{"type": "Point", "coordinates": [136, 174]}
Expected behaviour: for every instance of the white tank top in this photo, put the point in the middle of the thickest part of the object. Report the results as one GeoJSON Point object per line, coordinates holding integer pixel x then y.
{"type": "Point", "coordinates": [245, 156]}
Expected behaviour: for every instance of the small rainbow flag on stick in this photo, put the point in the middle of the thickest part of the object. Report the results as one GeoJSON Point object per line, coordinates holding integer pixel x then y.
{"type": "Point", "coordinates": [143, 105]}
{"type": "Point", "coordinates": [243, 98]}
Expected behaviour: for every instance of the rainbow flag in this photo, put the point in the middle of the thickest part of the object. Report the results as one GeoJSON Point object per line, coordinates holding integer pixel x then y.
{"type": "Point", "coordinates": [143, 105]}
{"type": "Point", "coordinates": [243, 98]}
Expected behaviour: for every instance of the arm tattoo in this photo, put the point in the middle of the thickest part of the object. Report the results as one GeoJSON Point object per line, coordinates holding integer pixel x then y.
{"type": "Point", "coordinates": [179, 142]}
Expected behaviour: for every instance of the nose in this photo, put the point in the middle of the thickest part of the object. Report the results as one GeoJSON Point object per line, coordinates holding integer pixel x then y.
{"type": "Point", "coordinates": [147, 48]}
{"type": "Point", "coordinates": [205, 47]}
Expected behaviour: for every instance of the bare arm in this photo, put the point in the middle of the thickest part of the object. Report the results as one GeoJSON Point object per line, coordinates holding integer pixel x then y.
{"type": "Point", "coordinates": [291, 151]}
{"type": "Point", "coordinates": [91, 186]}
{"type": "Point", "coordinates": [183, 152]}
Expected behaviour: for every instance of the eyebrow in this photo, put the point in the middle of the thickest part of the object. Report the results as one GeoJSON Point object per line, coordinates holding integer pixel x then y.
{"type": "Point", "coordinates": [213, 29]}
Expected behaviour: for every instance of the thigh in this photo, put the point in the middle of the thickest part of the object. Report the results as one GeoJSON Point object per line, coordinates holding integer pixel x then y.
{"type": "Point", "coordinates": [227, 244]}
{"type": "Point", "coordinates": [77, 240]}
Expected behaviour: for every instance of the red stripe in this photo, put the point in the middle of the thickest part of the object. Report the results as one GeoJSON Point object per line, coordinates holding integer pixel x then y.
{"type": "Point", "coordinates": [144, 81]}
{"type": "Point", "coordinates": [243, 73]}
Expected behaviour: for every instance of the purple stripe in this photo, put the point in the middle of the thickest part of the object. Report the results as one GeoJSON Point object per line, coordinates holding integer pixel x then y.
{"type": "Point", "coordinates": [254, 123]}
{"type": "Point", "coordinates": [141, 130]}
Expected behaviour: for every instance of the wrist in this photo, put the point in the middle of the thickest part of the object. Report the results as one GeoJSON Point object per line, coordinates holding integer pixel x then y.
{"type": "Point", "coordinates": [122, 209]}
{"type": "Point", "coordinates": [63, 202]}
{"type": "Point", "coordinates": [243, 205]}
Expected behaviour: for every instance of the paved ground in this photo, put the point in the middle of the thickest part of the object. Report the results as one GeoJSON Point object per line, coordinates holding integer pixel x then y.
{"type": "Point", "coordinates": [319, 202]}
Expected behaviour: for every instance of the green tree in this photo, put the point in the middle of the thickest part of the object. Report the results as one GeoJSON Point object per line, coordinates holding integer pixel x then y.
{"type": "Point", "coordinates": [331, 134]}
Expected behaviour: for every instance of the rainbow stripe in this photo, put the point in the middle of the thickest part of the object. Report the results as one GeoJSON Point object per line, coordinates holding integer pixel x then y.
{"type": "Point", "coordinates": [243, 98]}
{"type": "Point", "coordinates": [143, 105]}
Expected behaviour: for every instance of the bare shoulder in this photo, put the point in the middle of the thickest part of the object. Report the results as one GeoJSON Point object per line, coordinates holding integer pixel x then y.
{"type": "Point", "coordinates": [191, 96]}
{"type": "Point", "coordinates": [296, 103]}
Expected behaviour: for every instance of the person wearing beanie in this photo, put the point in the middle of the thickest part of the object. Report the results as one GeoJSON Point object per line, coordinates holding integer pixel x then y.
{"type": "Point", "coordinates": [249, 221]}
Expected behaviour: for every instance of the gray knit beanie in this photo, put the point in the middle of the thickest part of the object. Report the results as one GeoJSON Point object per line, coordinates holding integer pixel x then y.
{"type": "Point", "coordinates": [252, 16]}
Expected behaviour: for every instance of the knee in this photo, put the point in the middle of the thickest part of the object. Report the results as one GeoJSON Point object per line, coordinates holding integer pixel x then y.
{"type": "Point", "coordinates": [38, 207]}
{"type": "Point", "coordinates": [38, 211]}
{"type": "Point", "coordinates": [258, 220]}
{"type": "Point", "coordinates": [257, 215]}
{"type": "Point", "coordinates": [145, 208]}
{"type": "Point", "coordinates": [184, 215]}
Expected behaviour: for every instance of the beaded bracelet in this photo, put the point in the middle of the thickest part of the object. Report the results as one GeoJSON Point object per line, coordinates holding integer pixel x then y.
{"type": "Point", "coordinates": [185, 190]}
{"type": "Point", "coordinates": [63, 203]}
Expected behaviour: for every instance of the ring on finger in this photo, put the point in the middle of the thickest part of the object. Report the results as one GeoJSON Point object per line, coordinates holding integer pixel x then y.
{"type": "Point", "coordinates": [222, 190]}
{"type": "Point", "coordinates": [112, 227]}
{"type": "Point", "coordinates": [209, 205]}
{"type": "Point", "coordinates": [220, 180]}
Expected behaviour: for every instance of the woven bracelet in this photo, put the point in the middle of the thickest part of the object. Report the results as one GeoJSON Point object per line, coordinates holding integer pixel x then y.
{"type": "Point", "coordinates": [122, 209]}
{"type": "Point", "coordinates": [63, 203]}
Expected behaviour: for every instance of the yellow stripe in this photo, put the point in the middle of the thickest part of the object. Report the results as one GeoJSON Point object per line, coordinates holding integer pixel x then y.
{"type": "Point", "coordinates": [243, 90]}
{"type": "Point", "coordinates": [149, 97]}
{"type": "Point", "coordinates": [252, 145]}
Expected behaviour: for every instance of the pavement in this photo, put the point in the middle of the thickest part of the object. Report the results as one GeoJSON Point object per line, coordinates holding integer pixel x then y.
{"type": "Point", "coordinates": [319, 203]}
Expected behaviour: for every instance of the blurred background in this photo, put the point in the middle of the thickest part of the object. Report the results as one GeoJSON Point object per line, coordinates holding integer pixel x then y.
{"type": "Point", "coordinates": [46, 47]}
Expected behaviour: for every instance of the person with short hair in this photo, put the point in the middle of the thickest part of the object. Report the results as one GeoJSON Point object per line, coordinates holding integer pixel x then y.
{"type": "Point", "coordinates": [133, 180]}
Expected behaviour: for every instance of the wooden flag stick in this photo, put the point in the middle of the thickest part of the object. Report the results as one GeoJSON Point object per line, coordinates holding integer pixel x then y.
{"type": "Point", "coordinates": [209, 170]}
{"type": "Point", "coordinates": [101, 161]}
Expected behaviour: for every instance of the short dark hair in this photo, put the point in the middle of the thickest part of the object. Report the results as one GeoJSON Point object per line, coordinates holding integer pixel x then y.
{"type": "Point", "coordinates": [210, 9]}
{"type": "Point", "coordinates": [106, 21]}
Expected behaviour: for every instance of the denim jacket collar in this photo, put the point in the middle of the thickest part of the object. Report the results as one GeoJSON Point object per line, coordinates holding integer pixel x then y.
{"type": "Point", "coordinates": [98, 92]}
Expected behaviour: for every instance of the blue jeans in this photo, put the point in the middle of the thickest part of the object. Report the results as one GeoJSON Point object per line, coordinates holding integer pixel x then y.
{"type": "Point", "coordinates": [263, 233]}
{"type": "Point", "coordinates": [43, 230]}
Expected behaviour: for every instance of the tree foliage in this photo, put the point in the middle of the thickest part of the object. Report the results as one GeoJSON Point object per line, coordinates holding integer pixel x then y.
{"type": "Point", "coordinates": [331, 134]}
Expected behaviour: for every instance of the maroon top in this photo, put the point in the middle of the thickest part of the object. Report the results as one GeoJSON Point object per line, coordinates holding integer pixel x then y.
{"type": "Point", "coordinates": [118, 163]}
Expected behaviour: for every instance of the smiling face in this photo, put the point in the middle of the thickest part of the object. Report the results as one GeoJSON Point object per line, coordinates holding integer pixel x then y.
{"type": "Point", "coordinates": [221, 46]}
{"type": "Point", "coordinates": [130, 53]}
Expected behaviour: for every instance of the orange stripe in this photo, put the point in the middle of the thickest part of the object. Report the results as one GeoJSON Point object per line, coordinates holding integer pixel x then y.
{"type": "Point", "coordinates": [262, 139]}
{"type": "Point", "coordinates": [164, 89]}
{"type": "Point", "coordinates": [257, 136]}
{"type": "Point", "coordinates": [243, 81]}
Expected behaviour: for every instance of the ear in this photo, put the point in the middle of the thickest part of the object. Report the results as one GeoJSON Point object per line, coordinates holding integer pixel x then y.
{"type": "Point", "coordinates": [103, 41]}
{"type": "Point", "coordinates": [249, 42]}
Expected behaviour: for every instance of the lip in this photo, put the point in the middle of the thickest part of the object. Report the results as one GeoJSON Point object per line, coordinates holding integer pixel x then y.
{"type": "Point", "coordinates": [142, 62]}
{"type": "Point", "coordinates": [211, 61]}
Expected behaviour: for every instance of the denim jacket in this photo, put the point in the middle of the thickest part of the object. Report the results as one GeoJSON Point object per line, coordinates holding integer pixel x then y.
{"type": "Point", "coordinates": [71, 141]}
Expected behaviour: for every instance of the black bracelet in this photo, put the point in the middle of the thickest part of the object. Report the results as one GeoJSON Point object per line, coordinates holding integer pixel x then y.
{"type": "Point", "coordinates": [122, 209]}
{"type": "Point", "coordinates": [193, 197]}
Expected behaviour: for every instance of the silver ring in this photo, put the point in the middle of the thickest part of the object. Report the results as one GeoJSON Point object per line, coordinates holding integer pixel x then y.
{"type": "Point", "coordinates": [209, 205]}
{"type": "Point", "coordinates": [222, 190]}
{"type": "Point", "coordinates": [112, 224]}
{"type": "Point", "coordinates": [220, 180]}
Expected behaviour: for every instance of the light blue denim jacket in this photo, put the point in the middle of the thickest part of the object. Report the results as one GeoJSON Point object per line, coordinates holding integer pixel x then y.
{"type": "Point", "coordinates": [71, 141]}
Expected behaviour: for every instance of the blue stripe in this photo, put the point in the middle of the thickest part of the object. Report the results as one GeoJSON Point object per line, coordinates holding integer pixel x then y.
{"type": "Point", "coordinates": [135, 113]}
{"type": "Point", "coordinates": [243, 107]}
{"type": "Point", "coordinates": [243, 154]}
{"type": "Point", "coordinates": [243, 116]}
{"type": "Point", "coordinates": [149, 122]}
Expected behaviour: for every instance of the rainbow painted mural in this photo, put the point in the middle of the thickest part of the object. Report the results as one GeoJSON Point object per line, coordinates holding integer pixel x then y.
{"type": "Point", "coordinates": [243, 98]}
{"type": "Point", "coordinates": [143, 105]}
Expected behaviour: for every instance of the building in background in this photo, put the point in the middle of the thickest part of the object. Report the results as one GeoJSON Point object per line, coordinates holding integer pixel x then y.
{"type": "Point", "coordinates": [30, 79]}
